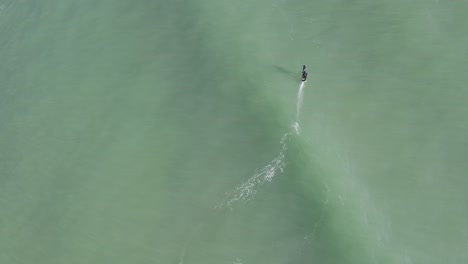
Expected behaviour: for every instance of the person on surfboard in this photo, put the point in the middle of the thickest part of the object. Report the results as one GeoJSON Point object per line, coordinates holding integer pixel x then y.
{"type": "Point", "coordinates": [304, 73]}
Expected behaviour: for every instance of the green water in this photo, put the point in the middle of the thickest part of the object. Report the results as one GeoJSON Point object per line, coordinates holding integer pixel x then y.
{"type": "Point", "coordinates": [137, 131]}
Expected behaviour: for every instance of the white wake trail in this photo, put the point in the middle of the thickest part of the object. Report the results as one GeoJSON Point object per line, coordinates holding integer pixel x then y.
{"type": "Point", "coordinates": [300, 95]}
{"type": "Point", "coordinates": [247, 190]}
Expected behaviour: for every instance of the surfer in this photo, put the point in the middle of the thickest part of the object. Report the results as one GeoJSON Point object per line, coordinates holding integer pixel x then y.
{"type": "Point", "coordinates": [304, 73]}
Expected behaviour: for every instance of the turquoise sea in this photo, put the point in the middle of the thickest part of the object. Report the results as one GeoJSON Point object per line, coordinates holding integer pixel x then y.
{"type": "Point", "coordinates": [156, 131]}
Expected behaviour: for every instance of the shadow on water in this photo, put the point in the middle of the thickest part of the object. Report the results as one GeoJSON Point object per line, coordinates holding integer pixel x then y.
{"type": "Point", "coordinates": [284, 71]}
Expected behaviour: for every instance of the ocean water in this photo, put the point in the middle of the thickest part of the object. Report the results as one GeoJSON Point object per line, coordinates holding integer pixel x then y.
{"type": "Point", "coordinates": [179, 131]}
